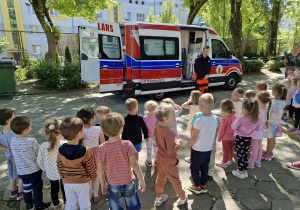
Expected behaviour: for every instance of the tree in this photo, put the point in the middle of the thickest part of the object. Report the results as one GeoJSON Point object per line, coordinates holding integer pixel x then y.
{"type": "Point", "coordinates": [292, 13]}
{"type": "Point", "coordinates": [167, 13]}
{"type": "Point", "coordinates": [151, 17]}
{"type": "Point", "coordinates": [68, 55]}
{"type": "Point", "coordinates": [3, 44]}
{"type": "Point", "coordinates": [87, 9]}
{"type": "Point", "coordinates": [236, 28]}
{"type": "Point", "coordinates": [194, 7]}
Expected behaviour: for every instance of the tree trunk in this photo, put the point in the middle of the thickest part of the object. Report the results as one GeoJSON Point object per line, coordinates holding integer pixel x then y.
{"type": "Point", "coordinates": [52, 46]}
{"type": "Point", "coordinates": [236, 29]}
{"type": "Point", "coordinates": [273, 29]}
{"type": "Point", "coordinates": [194, 9]}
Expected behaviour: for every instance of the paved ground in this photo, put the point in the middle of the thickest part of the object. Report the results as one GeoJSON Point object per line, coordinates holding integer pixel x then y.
{"type": "Point", "coordinates": [274, 186]}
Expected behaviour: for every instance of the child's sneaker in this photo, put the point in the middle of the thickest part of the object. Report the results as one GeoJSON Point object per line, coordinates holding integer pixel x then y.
{"type": "Point", "coordinates": [294, 165]}
{"type": "Point", "coordinates": [245, 174]}
{"type": "Point", "coordinates": [284, 123]}
{"type": "Point", "coordinates": [159, 201]}
{"type": "Point", "coordinates": [251, 166]}
{"type": "Point", "coordinates": [221, 164]}
{"type": "Point", "coordinates": [148, 163]}
{"type": "Point", "coordinates": [197, 190]}
{"type": "Point", "coordinates": [14, 194]}
{"type": "Point", "coordinates": [155, 163]}
{"type": "Point", "coordinates": [29, 207]}
{"type": "Point", "coordinates": [221, 152]}
{"type": "Point", "coordinates": [60, 204]}
{"type": "Point", "coordinates": [45, 206]}
{"type": "Point", "coordinates": [182, 202]}
{"type": "Point", "coordinates": [237, 174]}
{"type": "Point", "coordinates": [257, 164]}
{"type": "Point", "coordinates": [266, 157]}
{"type": "Point", "coordinates": [296, 132]}
{"type": "Point", "coordinates": [229, 162]}
{"type": "Point", "coordinates": [272, 155]}
{"type": "Point", "coordinates": [20, 196]}
{"type": "Point", "coordinates": [211, 172]}
{"type": "Point", "coordinates": [203, 189]}
{"type": "Point", "coordinates": [292, 129]}
{"type": "Point", "coordinates": [187, 159]}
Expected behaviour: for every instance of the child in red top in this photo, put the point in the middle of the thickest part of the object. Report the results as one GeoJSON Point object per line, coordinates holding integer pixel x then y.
{"type": "Point", "coordinates": [166, 158]}
{"type": "Point", "coordinates": [226, 133]}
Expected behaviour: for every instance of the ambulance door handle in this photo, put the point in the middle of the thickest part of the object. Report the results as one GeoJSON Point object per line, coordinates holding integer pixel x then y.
{"type": "Point", "coordinates": [177, 65]}
{"type": "Point", "coordinates": [105, 67]}
{"type": "Point", "coordinates": [213, 63]}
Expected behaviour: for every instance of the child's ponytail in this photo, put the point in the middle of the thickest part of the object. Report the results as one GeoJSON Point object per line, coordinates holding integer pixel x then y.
{"type": "Point", "coordinates": [52, 129]}
{"type": "Point", "coordinates": [268, 113]}
{"type": "Point", "coordinates": [252, 108]}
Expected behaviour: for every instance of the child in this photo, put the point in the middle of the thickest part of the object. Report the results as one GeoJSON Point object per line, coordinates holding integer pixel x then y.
{"type": "Point", "coordinates": [211, 165]}
{"type": "Point", "coordinates": [226, 133]}
{"type": "Point", "coordinates": [92, 138]}
{"type": "Point", "coordinates": [101, 111]}
{"type": "Point", "coordinates": [168, 146]}
{"type": "Point", "coordinates": [201, 144]}
{"type": "Point", "coordinates": [290, 71]}
{"type": "Point", "coordinates": [134, 123]}
{"type": "Point", "coordinates": [236, 95]}
{"type": "Point", "coordinates": [249, 94]}
{"type": "Point", "coordinates": [263, 98]}
{"type": "Point", "coordinates": [47, 158]}
{"type": "Point", "coordinates": [6, 116]}
{"type": "Point", "coordinates": [275, 111]}
{"type": "Point", "coordinates": [195, 95]}
{"type": "Point", "coordinates": [296, 104]}
{"type": "Point", "coordinates": [118, 168]}
{"type": "Point", "coordinates": [150, 121]}
{"type": "Point", "coordinates": [294, 88]}
{"type": "Point", "coordinates": [287, 84]}
{"type": "Point", "coordinates": [75, 165]}
{"type": "Point", "coordinates": [25, 150]}
{"type": "Point", "coordinates": [178, 110]}
{"type": "Point", "coordinates": [244, 127]}
{"type": "Point", "coordinates": [261, 86]}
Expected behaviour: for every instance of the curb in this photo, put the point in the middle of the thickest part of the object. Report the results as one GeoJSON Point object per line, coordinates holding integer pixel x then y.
{"type": "Point", "coordinates": [290, 134]}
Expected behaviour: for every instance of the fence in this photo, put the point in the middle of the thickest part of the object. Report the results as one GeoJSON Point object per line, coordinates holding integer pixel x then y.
{"type": "Point", "coordinates": [35, 44]}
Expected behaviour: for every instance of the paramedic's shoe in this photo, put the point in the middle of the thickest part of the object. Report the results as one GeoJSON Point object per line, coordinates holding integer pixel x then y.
{"type": "Point", "coordinates": [148, 163]}
{"type": "Point", "coordinates": [294, 165]}
{"type": "Point", "coordinates": [187, 159]}
{"type": "Point", "coordinates": [292, 129]}
{"type": "Point", "coordinates": [211, 172]}
{"type": "Point", "coordinates": [182, 202]}
{"type": "Point", "coordinates": [197, 190]}
{"type": "Point", "coordinates": [221, 164]}
{"type": "Point", "coordinates": [237, 174]}
{"type": "Point", "coordinates": [159, 201]}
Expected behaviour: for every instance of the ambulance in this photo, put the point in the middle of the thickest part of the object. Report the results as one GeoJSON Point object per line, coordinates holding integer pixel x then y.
{"type": "Point", "coordinates": [152, 59]}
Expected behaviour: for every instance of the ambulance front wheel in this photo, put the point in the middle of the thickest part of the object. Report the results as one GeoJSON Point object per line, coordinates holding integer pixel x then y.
{"type": "Point", "coordinates": [231, 82]}
{"type": "Point", "coordinates": [158, 96]}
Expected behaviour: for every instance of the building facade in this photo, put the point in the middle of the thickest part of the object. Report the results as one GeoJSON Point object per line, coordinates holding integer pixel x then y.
{"type": "Point", "coordinates": [20, 25]}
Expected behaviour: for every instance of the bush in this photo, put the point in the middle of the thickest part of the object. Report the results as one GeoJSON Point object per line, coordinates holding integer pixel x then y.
{"type": "Point", "coordinates": [24, 71]}
{"type": "Point", "coordinates": [68, 55]}
{"type": "Point", "coordinates": [57, 58]}
{"type": "Point", "coordinates": [252, 66]}
{"type": "Point", "coordinates": [70, 76]}
{"type": "Point", "coordinates": [274, 65]}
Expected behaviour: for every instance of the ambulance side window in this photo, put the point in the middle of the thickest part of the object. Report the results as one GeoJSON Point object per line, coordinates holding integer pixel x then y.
{"type": "Point", "coordinates": [109, 47]}
{"type": "Point", "coordinates": [159, 48]}
{"type": "Point", "coordinates": [218, 49]}
{"type": "Point", "coordinates": [90, 46]}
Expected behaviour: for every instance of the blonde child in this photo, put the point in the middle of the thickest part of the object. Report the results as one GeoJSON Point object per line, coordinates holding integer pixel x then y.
{"type": "Point", "coordinates": [244, 127]}
{"type": "Point", "coordinates": [296, 105]}
{"type": "Point", "coordinates": [194, 98]}
{"type": "Point", "coordinates": [178, 110]}
{"type": "Point", "coordinates": [275, 111]}
{"type": "Point", "coordinates": [92, 138]}
{"type": "Point", "coordinates": [134, 126]}
{"type": "Point", "coordinates": [101, 111]}
{"type": "Point", "coordinates": [236, 95]}
{"type": "Point", "coordinates": [287, 83]}
{"type": "Point", "coordinates": [294, 89]}
{"type": "Point", "coordinates": [47, 158]}
{"type": "Point", "coordinates": [226, 133]}
{"type": "Point", "coordinates": [249, 94]}
{"type": "Point", "coordinates": [201, 144]}
{"type": "Point", "coordinates": [150, 121]}
{"type": "Point", "coordinates": [166, 159]}
{"type": "Point", "coordinates": [6, 116]}
{"type": "Point", "coordinates": [261, 86]}
{"type": "Point", "coordinates": [118, 168]}
{"type": "Point", "coordinates": [263, 98]}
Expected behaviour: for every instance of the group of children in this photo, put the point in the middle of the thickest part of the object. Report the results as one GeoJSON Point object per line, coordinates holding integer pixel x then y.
{"type": "Point", "coordinates": [79, 157]}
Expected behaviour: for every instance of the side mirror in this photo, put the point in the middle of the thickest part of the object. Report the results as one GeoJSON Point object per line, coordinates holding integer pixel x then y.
{"type": "Point", "coordinates": [229, 54]}
{"type": "Point", "coordinates": [99, 55]}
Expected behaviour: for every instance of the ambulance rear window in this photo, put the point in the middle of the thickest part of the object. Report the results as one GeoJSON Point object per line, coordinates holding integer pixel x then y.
{"type": "Point", "coordinates": [159, 48]}
{"type": "Point", "coordinates": [110, 47]}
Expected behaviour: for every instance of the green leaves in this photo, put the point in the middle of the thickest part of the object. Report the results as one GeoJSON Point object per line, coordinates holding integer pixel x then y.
{"type": "Point", "coordinates": [166, 16]}
{"type": "Point", "coordinates": [3, 44]}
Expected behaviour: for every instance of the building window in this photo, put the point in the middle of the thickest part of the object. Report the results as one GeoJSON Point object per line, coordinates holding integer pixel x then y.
{"type": "Point", "coordinates": [130, 1]}
{"type": "Point", "coordinates": [176, 5]}
{"type": "Point", "coordinates": [30, 10]}
{"type": "Point", "coordinates": [137, 2]}
{"type": "Point", "coordinates": [160, 3]}
{"type": "Point", "coordinates": [140, 17]}
{"type": "Point", "coordinates": [128, 16]}
{"type": "Point", "coordinates": [36, 49]}
{"type": "Point", "coordinates": [53, 12]}
{"type": "Point", "coordinates": [143, 2]}
{"type": "Point", "coordinates": [34, 28]}
{"type": "Point", "coordinates": [100, 15]}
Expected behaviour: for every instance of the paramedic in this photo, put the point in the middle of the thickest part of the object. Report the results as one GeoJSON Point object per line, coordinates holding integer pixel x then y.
{"type": "Point", "coordinates": [202, 70]}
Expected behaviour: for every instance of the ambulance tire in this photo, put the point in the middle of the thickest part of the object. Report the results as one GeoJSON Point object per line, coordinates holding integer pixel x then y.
{"type": "Point", "coordinates": [158, 96]}
{"type": "Point", "coordinates": [231, 82]}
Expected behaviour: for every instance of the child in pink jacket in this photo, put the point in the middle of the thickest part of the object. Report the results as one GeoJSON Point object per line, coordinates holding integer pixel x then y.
{"type": "Point", "coordinates": [226, 133]}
